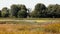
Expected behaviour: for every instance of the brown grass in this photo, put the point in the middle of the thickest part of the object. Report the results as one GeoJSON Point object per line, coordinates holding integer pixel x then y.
{"type": "Point", "coordinates": [29, 29]}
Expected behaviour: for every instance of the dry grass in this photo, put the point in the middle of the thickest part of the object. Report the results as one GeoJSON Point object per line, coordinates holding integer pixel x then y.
{"type": "Point", "coordinates": [55, 27]}
{"type": "Point", "coordinates": [24, 28]}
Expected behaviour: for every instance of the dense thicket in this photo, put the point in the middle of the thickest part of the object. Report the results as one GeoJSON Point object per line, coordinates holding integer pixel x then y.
{"type": "Point", "coordinates": [40, 11]}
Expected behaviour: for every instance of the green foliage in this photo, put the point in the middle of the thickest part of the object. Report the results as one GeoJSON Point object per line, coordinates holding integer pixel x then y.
{"type": "Point", "coordinates": [5, 12]}
{"type": "Point", "coordinates": [40, 6]}
{"type": "Point", "coordinates": [53, 11]}
{"type": "Point", "coordinates": [18, 10]}
{"type": "Point", "coordinates": [14, 10]}
{"type": "Point", "coordinates": [0, 13]}
{"type": "Point", "coordinates": [39, 11]}
{"type": "Point", "coordinates": [23, 12]}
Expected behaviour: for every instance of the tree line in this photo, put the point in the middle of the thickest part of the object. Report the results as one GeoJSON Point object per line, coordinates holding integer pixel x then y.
{"type": "Point", "coordinates": [40, 11]}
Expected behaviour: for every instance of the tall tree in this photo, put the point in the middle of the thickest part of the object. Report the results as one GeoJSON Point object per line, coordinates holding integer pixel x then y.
{"type": "Point", "coordinates": [5, 12]}
{"type": "Point", "coordinates": [53, 11]}
{"type": "Point", "coordinates": [23, 12]}
{"type": "Point", "coordinates": [14, 10]}
{"type": "Point", "coordinates": [39, 11]}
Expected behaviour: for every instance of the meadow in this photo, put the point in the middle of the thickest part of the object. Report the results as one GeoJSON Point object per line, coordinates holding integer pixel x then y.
{"type": "Point", "coordinates": [30, 26]}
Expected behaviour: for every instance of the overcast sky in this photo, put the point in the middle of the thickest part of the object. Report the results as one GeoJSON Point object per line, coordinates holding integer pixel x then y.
{"type": "Point", "coordinates": [28, 3]}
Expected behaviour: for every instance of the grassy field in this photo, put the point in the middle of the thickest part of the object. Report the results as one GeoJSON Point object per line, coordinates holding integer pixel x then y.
{"type": "Point", "coordinates": [30, 26]}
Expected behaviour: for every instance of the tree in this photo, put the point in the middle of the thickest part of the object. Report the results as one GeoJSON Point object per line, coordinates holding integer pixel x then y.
{"type": "Point", "coordinates": [14, 10]}
{"type": "Point", "coordinates": [39, 11]}
{"type": "Point", "coordinates": [5, 12]}
{"type": "Point", "coordinates": [0, 13]}
{"type": "Point", "coordinates": [57, 10]}
{"type": "Point", "coordinates": [53, 11]}
{"type": "Point", "coordinates": [19, 9]}
{"type": "Point", "coordinates": [28, 12]}
{"type": "Point", "coordinates": [23, 12]}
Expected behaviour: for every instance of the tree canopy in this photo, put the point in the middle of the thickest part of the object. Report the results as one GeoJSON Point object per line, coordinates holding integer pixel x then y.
{"type": "Point", "coordinates": [40, 11]}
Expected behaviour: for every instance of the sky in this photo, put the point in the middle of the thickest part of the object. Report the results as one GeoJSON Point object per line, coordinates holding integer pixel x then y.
{"type": "Point", "coordinates": [28, 3]}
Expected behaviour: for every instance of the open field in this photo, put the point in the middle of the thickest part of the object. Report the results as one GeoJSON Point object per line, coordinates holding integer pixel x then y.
{"type": "Point", "coordinates": [29, 26]}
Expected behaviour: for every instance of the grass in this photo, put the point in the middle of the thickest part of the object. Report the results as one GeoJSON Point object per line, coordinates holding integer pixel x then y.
{"type": "Point", "coordinates": [55, 28]}
{"type": "Point", "coordinates": [36, 26]}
